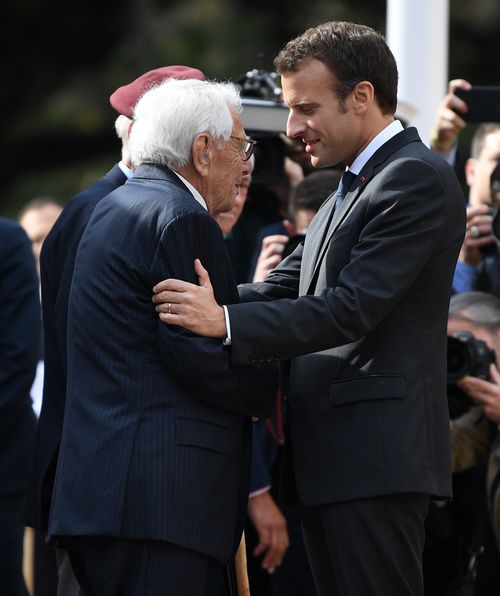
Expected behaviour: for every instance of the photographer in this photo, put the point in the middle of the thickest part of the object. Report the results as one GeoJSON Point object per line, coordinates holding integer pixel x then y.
{"type": "Point", "coordinates": [278, 240]}
{"type": "Point", "coordinates": [477, 267]}
{"type": "Point", "coordinates": [475, 437]}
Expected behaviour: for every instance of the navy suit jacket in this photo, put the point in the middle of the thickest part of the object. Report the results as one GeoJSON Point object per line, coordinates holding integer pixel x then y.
{"type": "Point", "coordinates": [364, 318]}
{"type": "Point", "coordinates": [20, 327]}
{"type": "Point", "coordinates": [57, 262]}
{"type": "Point", "coordinates": [156, 435]}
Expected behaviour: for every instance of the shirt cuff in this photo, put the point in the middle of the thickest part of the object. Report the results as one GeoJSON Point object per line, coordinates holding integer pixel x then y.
{"type": "Point", "coordinates": [451, 155]}
{"type": "Point", "coordinates": [259, 491]}
{"type": "Point", "coordinates": [227, 341]}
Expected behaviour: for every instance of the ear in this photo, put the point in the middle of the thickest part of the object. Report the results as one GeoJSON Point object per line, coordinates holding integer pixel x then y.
{"type": "Point", "coordinates": [470, 171]}
{"type": "Point", "coordinates": [202, 153]}
{"type": "Point", "coordinates": [363, 96]}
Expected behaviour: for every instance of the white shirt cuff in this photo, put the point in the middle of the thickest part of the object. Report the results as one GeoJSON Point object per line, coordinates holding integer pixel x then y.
{"type": "Point", "coordinates": [259, 491]}
{"type": "Point", "coordinates": [227, 341]}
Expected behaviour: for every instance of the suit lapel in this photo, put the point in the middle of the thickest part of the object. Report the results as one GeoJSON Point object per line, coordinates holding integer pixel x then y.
{"type": "Point", "coordinates": [313, 243]}
{"type": "Point", "coordinates": [319, 245]}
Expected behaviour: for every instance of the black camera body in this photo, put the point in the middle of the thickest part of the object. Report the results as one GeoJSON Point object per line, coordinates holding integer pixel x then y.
{"type": "Point", "coordinates": [466, 356]}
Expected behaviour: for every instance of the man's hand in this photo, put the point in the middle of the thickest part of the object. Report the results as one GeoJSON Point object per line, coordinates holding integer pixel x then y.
{"type": "Point", "coordinates": [478, 234]}
{"type": "Point", "coordinates": [190, 306]}
{"type": "Point", "coordinates": [270, 255]}
{"type": "Point", "coordinates": [485, 393]}
{"type": "Point", "coordinates": [270, 525]}
{"type": "Point", "coordinates": [448, 122]}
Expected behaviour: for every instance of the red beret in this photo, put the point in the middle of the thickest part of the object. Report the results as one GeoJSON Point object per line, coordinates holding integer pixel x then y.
{"type": "Point", "coordinates": [124, 98]}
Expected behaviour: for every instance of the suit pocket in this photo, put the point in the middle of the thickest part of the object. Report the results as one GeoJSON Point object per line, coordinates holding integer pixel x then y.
{"type": "Point", "coordinates": [197, 433]}
{"type": "Point", "coordinates": [371, 387]}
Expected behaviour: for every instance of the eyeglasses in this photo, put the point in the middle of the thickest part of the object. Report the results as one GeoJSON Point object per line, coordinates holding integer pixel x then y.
{"type": "Point", "coordinates": [246, 145]}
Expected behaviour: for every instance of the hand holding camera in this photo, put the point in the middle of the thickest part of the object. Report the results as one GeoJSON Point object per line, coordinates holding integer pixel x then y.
{"type": "Point", "coordinates": [467, 358]}
{"type": "Point", "coordinates": [271, 255]}
{"type": "Point", "coordinates": [450, 118]}
{"type": "Point", "coordinates": [478, 234]}
{"type": "Point", "coordinates": [485, 392]}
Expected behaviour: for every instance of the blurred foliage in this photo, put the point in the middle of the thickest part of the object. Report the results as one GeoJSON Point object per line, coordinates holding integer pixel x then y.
{"type": "Point", "coordinates": [62, 61]}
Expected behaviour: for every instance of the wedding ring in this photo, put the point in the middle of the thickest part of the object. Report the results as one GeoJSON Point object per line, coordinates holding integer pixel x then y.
{"type": "Point", "coordinates": [169, 307]}
{"type": "Point", "coordinates": [474, 232]}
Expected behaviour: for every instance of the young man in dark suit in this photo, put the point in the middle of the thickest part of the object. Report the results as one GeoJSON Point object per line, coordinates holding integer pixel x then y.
{"type": "Point", "coordinates": [152, 476]}
{"type": "Point", "coordinates": [363, 316]}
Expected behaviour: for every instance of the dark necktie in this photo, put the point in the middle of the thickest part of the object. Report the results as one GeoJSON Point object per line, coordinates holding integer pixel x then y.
{"type": "Point", "coordinates": [345, 183]}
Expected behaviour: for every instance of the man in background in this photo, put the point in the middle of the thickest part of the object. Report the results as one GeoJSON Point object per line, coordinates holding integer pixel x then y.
{"type": "Point", "coordinates": [476, 440]}
{"type": "Point", "coordinates": [19, 351]}
{"type": "Point", "coordinates": [478, 266]}
{"type": "Point", "coordinates": [37, 218]}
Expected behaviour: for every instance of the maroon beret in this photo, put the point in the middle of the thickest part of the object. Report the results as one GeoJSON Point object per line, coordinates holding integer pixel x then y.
{"type": "Point", "coordinates": [124, 98]}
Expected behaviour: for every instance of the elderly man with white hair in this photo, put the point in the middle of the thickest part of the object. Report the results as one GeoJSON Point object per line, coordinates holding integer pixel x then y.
{"type": "Point", "coordinates": [152, 477]}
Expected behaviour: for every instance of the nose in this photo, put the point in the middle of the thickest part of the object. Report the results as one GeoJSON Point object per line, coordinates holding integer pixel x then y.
{"type": "Point", "coordinates": [247, 167]}
{"type": "Point", "coordinates": [294, 126]}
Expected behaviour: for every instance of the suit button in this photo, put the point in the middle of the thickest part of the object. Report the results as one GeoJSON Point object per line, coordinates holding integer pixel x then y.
{"type": "Point", "coordinates": [252, 359]}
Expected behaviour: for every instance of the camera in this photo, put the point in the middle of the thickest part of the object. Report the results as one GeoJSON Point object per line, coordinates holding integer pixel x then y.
{"type": "Point", "coordinates": [466, 356]}
{"type": "Point", "coordinates": [263, 109]}
{"type": "Point", "coordinates": [495, 200]}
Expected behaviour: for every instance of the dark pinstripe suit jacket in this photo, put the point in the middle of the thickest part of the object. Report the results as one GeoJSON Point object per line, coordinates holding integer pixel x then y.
{"type": "Point", "coordinates": [156, 435]}
{"type": "Point", "coordinates": [57, 261]}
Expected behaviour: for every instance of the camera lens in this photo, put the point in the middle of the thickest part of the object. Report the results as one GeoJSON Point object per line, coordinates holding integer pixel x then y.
{"type": "Point", "coordinates": [459, 359]}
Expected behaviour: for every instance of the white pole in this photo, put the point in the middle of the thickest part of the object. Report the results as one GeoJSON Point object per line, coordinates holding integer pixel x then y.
{"type": "Point", "coordinates": [417, 33]}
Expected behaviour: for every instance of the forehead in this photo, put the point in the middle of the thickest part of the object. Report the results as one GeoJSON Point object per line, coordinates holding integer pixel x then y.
{"type": "Point", "coordinates": [313, 80]}
{"type": "Point", "coordinates": [238, 129]}
{"type": "Point", "coordinates": [455, 325]}
{"type": "Point", "coordinates": [491, 144]}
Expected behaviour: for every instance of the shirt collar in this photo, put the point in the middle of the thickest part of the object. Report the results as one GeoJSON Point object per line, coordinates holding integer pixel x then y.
{"type": "Point", "coordinates": [383, 136]}
{"type": "Point", "coordinates": [192, 190]}
{"type": "Point", "coordinates": [125, 169]}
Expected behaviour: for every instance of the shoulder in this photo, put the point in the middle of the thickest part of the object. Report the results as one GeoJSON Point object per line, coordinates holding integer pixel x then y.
{"type": "Point", "coordinates": [16, 256]}
{"type": "Point", "coordinates": [12, 236]}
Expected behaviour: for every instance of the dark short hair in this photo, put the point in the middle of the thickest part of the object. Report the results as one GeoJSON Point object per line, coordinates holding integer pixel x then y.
{"type": "Point", "coordinates": [353, 53]}
{"type": "Point", "coordinates": [314, 189]}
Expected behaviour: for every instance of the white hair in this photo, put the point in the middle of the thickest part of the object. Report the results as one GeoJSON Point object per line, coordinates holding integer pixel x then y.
{"type": "Point", "coordinates": [168, 118]}
{"type": "Point", "coordinates": [122, 124]}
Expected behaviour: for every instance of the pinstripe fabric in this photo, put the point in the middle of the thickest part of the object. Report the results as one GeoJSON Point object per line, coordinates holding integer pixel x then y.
{"type": "Point", "coordinates": [57, 261]}
{"type": "Point", "coordinates": [110, 567]}
{"type": "Point", "coordinates": [156, 440]}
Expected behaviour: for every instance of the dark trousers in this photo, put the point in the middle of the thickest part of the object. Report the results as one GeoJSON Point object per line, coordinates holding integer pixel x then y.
{"type": "Point", "coordinates": [11, 546]}
{"type": "Point", "coordinates": [367, 546]}
{"type": "Point", "coordinates": [123, 567]}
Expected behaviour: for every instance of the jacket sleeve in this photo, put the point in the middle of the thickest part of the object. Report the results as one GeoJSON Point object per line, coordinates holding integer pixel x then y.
{"type": "Point", "coordinates": [204, 364]}
{"type": "Point", "coordinates": [403, 223]}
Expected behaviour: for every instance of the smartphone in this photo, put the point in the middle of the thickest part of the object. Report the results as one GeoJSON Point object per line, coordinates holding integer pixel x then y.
{"type": "Point", "coordinates": [483, 103]}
